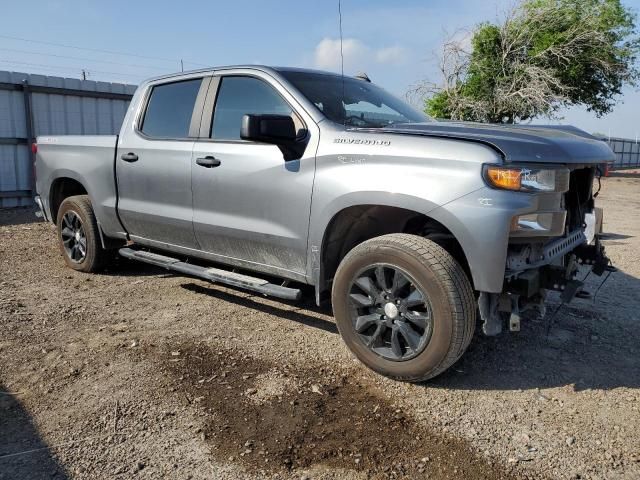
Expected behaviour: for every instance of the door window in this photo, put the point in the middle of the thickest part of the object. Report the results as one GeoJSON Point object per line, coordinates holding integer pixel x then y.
{"type": "Point", "coordinates": [238, 96]}
{"type": "Point", "coordinates": [170, 108]}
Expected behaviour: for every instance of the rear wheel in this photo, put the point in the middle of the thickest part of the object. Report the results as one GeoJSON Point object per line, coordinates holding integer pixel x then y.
{"type": "Point", "coordinates": [78, 235]}
{"type": "Point", "coordinates": [404, 306]}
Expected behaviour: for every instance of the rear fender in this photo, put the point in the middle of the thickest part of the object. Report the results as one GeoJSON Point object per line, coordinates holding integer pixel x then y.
{"type": "Point", "coordinates": [52, 180]}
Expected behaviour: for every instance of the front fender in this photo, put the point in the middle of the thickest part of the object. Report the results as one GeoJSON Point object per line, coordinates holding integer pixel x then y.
{"type": "Point", "coordinates": [321, 220]}
{"type": "Point", "coordinates": [481, 222]}
{"type": "Point", "coordinates": [408, 172]}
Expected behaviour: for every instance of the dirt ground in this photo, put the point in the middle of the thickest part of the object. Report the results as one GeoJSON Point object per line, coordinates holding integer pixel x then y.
{"type": "Point", "coordinates": [140, 373]}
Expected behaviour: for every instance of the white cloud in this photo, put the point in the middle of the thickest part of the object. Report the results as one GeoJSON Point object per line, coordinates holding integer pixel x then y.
{"type": "Point", "coordinates": [357, 55]}
{"type": "Point", "coordinates": [391, 55]}
{"type": "Point", "coordinates": [327, 53]}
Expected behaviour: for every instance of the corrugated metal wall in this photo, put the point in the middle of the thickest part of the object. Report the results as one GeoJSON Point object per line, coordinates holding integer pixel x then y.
{"type": "Point", "coordinates": [627, 153]}
{"type": "Point", "coordinates": [59, 106]}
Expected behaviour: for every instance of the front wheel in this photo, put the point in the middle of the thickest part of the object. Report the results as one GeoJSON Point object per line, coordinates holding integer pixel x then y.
{"type": "Point", "coordinates": [404, 306]}
{"type": "Point", "coordinates": [78, 235]}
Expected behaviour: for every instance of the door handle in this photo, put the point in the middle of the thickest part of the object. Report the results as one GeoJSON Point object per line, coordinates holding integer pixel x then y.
{"type": "Point", "coordinates": [129, 157]}
{"type": "Point", "coordinates": [208, 162]}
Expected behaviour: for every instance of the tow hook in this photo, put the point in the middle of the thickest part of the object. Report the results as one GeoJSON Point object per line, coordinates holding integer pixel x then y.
{"type": "Point", "coordinates": [496, 309]}
{"type": "Point", "coordinates": [514, 318]}
{"type": "Point", "coordinates": [519, 305]}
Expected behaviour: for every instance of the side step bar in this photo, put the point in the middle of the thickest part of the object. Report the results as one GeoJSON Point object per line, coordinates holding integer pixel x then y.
{"type": "Point", "coordinates": [214, 275]}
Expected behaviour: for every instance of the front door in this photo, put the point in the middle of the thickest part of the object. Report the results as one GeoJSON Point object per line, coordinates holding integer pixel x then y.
{"type": "Point", "coordinates": [153, 166]}
{"type": "Point", "coordinates": [251, 207]}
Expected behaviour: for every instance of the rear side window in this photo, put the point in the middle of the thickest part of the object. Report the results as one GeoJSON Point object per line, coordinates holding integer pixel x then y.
{"type": "Point", "coordinates": [169, 109]}
{"type": "Point", "coordinates": [238, 96]}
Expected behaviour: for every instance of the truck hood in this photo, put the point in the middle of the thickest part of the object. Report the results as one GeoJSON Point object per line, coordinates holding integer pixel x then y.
{"type": "Point", "coordinates": [517, 143]}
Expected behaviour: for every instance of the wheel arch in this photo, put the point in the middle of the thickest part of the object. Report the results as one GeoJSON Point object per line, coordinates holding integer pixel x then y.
{"type": "Point", "coordinates": [356, 223]}
{"type": "Point", "coordinates": [63, 187]}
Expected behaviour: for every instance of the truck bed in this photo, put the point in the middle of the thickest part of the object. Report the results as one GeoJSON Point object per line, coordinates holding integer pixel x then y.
{"type": "Point", "coordinates": [88, 159]}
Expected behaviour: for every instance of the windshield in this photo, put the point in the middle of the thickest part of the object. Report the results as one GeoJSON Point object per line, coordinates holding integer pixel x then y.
{"type": "Point", "coordinates": [363, 104]}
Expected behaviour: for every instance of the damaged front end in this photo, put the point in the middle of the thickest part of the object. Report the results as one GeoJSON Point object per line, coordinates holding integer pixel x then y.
{"type": "Point", "coordinates": [546, 250]}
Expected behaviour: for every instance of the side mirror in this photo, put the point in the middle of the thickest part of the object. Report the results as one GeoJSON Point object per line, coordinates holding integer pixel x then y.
{"type": "Point", "coordinates": [274, 129]}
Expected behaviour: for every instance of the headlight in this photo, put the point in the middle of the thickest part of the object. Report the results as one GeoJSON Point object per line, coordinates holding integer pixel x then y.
{"type": "Point", "coordinates": [527, 178]}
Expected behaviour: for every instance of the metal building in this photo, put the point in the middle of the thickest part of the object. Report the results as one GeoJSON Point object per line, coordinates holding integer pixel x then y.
{"type": "Point", "coordinates": [627, 153]}
{"type": "Point", "coordinates": [32, 105]}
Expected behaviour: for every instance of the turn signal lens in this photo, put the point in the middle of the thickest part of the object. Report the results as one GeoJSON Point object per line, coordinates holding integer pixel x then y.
{"type": "Point", "coordinates": [507, 178]}
{"type": "Point", "coordinates": [527, 178]}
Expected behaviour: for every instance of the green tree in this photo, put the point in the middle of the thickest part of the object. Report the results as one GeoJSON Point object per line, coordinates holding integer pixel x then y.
{"type": "Point", "coordinates": [546, 54]}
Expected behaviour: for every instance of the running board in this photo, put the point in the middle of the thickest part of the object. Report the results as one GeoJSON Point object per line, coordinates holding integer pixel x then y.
{"type": "Point", "coordinates": [214, 275]}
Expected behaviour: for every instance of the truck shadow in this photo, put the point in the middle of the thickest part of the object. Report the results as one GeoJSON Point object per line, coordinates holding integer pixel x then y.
{"type": "Point", "coordinates": [123, 267]}
{"type": "Point", "coordinates": [296, 311]}
{"type": "Point", "coordinates": [18, 216]}
{"type": "Point", "coordinates": [588, 346]}
{"type": "Point", "coordinates": [23, 454]}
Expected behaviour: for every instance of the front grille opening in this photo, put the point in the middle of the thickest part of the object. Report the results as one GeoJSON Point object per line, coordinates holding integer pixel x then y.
{"type": "Point", "coordinates": [578, 199]}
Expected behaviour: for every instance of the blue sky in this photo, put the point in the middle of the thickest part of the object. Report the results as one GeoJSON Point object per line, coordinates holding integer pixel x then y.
{"type": "Point", "coordinates": [394, 42]}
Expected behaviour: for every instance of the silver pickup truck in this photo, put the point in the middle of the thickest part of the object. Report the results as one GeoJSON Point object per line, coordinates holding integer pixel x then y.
{"type": "Point", "coordinates": [261, 178]}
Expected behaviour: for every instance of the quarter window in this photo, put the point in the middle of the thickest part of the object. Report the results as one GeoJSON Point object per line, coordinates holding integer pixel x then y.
{"type": "Point", "coordinates": [238, 96]}
{"type": "Point", "coordinates": [170, 108]}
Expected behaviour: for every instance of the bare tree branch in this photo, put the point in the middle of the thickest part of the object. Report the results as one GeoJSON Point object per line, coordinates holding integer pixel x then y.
{"type": "Point", "coordinates": [525, 73]}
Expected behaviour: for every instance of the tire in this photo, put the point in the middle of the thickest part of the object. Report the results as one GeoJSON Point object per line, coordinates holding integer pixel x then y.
{"type": "Point", "coordinates": [75, 213]}
{"type": "Point", "coordinates": [448, 312]}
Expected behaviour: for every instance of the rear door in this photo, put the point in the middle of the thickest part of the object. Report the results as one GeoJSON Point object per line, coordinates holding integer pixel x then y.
{"type": "Point", "coordinates": [252, 208]}
{"type": "Point", "coordinates": [153, 164]}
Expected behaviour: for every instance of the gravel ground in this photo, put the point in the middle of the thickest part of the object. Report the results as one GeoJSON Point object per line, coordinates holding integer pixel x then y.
{"type": "Point", "coordinates": [140, 373]}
